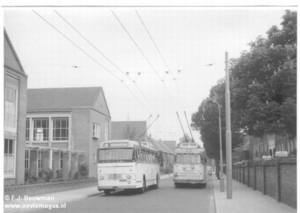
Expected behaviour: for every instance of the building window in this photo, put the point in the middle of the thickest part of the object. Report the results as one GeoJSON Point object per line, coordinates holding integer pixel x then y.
{"type": "Point", "coordinates": [10, 107]}
{"type": "Point", "coordinates": [41, 129]}
{"type": "Point", "coordinates": [96, 130]}
{"type": "Point", "coordinates": [27, 156]}
{"type": "Point", "coordinates": [60, 129]}
{"type": "Point", "coordinates": [27, 129]}
{"type": "Point", "coordinates": [9, 157]}
{"type": "Point", "coordinates": [106, 132]}
{"type": "Point", "coordinates": [39, 160]}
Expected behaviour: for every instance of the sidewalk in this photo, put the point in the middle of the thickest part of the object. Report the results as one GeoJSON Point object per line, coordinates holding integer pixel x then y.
{"type": "Point", "coordinates": [57, 198]}
{"type": "Point", "coordinates": [246, 200]}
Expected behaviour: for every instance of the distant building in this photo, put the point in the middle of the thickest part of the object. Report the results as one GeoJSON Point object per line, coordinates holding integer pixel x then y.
{"type": "Point", "coordinates": [132, 130]}
{"type": "Point", "coordinates": [15, 96]}
{"type": "Point", "coordinates": [166, 154]}
{"type": "Point", "coordinates": [63, 129]}
{"type": "Point", "coordinates": [137, 130]}
{"type": "Point", "coordinates": [269, 145]}
{"type": "Point", "coordinates": [170, 144]}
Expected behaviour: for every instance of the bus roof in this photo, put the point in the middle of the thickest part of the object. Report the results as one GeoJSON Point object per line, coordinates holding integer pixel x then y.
{"type": "Point", "coordinates": [124, 144]}
{"type": "Point", "coordinates": [189, 147]}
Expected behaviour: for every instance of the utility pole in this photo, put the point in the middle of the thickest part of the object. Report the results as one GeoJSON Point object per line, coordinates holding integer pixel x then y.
{"type": "Point", "coordinates": [228, 134]}
{"type": "Point", "coordinates": [127, 126]}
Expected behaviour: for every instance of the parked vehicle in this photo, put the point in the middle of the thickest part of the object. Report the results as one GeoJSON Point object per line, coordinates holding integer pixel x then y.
{"type": "Point", "coordinates": [209, 170]}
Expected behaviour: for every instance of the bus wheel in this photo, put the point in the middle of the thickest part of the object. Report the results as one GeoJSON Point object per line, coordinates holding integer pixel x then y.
{"type": "Point", "coordinates": [143, 189]}
{"type": "Point", "coordinates": [177, 185]}
{"type": "Point", "coordinates": [106, 192]}
{"type": "Point", "coordinates": [202, 185]}
{"type": "Point", "coordinates": [157, 183]}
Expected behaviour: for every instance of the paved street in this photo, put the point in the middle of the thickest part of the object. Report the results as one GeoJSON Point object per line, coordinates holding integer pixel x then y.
{"type": "Point", "coordinates": [165, 199]}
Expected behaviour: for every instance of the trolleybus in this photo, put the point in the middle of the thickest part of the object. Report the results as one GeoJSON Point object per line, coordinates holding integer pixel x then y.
{"type": "Point", "coordinates": [189, 165]}
{"type": "Point", "coordinates": [127, 164]}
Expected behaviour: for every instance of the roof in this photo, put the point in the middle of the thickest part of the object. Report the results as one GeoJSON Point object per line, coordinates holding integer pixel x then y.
{"type": "Point", "coordinates": [170, 144]}
{"type": "Point", "coordinates": [159, 145]}
{"type": "Point", "coordinates": [166, 147]}
{"type": "Point", "coordinates": [56, 99]}
{"type": "Point", "coordinates": [134, 130]}
{"type": "Point", "coordinates": [11, 59]}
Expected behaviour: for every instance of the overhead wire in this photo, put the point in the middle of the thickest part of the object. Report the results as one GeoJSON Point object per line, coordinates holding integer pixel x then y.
{"type": "Point", "coordinates": [119, 69]}
{"type": "Point", "coordinates": [140, 18]}
{"type": "Point", "coordinates": [142, 54]}
{"type": "Point", "coordinates": [160, 56]}
{"type": "Point", "coordinates": [90, 57]}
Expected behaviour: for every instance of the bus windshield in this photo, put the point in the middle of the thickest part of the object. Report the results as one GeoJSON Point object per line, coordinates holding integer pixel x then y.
{"type": "Point", "coordinates": [188, 158]}
{"type": "Point", "coordinates": [115, 155]}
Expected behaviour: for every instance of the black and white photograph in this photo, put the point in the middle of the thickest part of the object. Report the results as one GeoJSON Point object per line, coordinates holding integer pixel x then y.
{"type": "Point", "coordinates": [149, 108]}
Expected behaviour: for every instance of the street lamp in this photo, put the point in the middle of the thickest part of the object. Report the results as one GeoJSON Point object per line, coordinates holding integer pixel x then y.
{"type": "Point", "coordinates": [221, 152]}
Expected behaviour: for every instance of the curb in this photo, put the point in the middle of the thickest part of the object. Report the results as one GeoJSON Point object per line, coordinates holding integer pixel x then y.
{"type": "Point", "coordinates": [216, 202]}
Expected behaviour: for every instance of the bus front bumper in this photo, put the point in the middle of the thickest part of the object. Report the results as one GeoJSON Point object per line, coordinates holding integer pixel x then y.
{"type": "Point", "coordinates": [115, 187]}
{"type": "Point", "coordinates": [188, 181]}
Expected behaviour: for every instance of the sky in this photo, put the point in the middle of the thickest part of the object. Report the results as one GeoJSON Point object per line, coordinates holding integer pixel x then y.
{"type": "Point", "coordinates": [128, 52]}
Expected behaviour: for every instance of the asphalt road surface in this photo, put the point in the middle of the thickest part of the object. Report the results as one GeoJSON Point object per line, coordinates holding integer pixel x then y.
{"type": "Point", "coordinates": [165, 199]}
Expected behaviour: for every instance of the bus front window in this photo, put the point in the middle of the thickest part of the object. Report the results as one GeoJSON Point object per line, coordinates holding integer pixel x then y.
{"type": "Point", "coordinates": [188, 158]}
{"type": "Point", "coordinates": [115, 155]}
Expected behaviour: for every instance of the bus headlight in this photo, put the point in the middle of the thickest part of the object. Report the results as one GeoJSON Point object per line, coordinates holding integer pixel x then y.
{"type": "Point", "coordinates": [175, 175]}
{"type": "Point", "coordinates": [101, 177]}
{"type": "Point", "coordinates": [128, 176]}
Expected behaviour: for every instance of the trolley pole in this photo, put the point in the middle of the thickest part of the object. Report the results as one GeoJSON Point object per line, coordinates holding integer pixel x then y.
{"type": "Point", "coordinates": [228, 134]}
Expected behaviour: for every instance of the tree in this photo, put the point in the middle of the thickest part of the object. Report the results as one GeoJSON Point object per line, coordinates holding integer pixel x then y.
{"type": "Point", "coordinates": [264, 82]}
{"type": "Point", "coordinates": [206, 120]}
{"type": "Point", "coordinates": [263, 91]}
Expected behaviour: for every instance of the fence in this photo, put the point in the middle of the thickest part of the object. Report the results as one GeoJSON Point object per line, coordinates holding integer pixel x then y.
{"type": "Point", "coordinates": [276, 178]}
{"type": "Point", "coordinates": [44, 188]}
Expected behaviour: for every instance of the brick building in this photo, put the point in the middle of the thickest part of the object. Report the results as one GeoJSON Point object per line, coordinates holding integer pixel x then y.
{"type": "Point", "coordinates": [15, 90]}
{"type": "Point", "coordinates": [63, 129]}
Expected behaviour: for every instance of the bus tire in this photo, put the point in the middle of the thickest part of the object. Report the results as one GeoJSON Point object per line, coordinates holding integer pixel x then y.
{"type": "Point", "coordinates": [177, 185]}
{"type": "Point", "coordinates": [143, 189]}
{"type": "Point", "coordinates": [106, 192]}
{"type": "Point", "coordinates": [202, 185]}
{"type": "Point", "coordinates": [157, 183]}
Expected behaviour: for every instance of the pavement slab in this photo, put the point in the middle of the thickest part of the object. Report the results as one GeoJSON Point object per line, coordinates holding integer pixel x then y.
{"type": "Point", "coordinates": [246, 200]}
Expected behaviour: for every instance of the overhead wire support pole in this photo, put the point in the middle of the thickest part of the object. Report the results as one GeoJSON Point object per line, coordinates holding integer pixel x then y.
{"type": "Point", "coordinates": [182, 127]}
{"type": "Point", "coordinates": [228, 133]}
{"type": "Point", "coordinates": [189, 127]}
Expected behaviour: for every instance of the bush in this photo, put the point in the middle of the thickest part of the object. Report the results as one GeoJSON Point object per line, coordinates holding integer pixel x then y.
{"type": "Point", "coordinates": [46, 175]}
{"type": "Point", "coordinates": [76, 176]}
{"type": "Point", "coordinates": [83, 171]}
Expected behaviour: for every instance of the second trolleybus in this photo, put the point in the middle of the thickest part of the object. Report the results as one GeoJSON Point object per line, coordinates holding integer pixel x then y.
{"type": "Point", "coordinates": [190, 164]}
